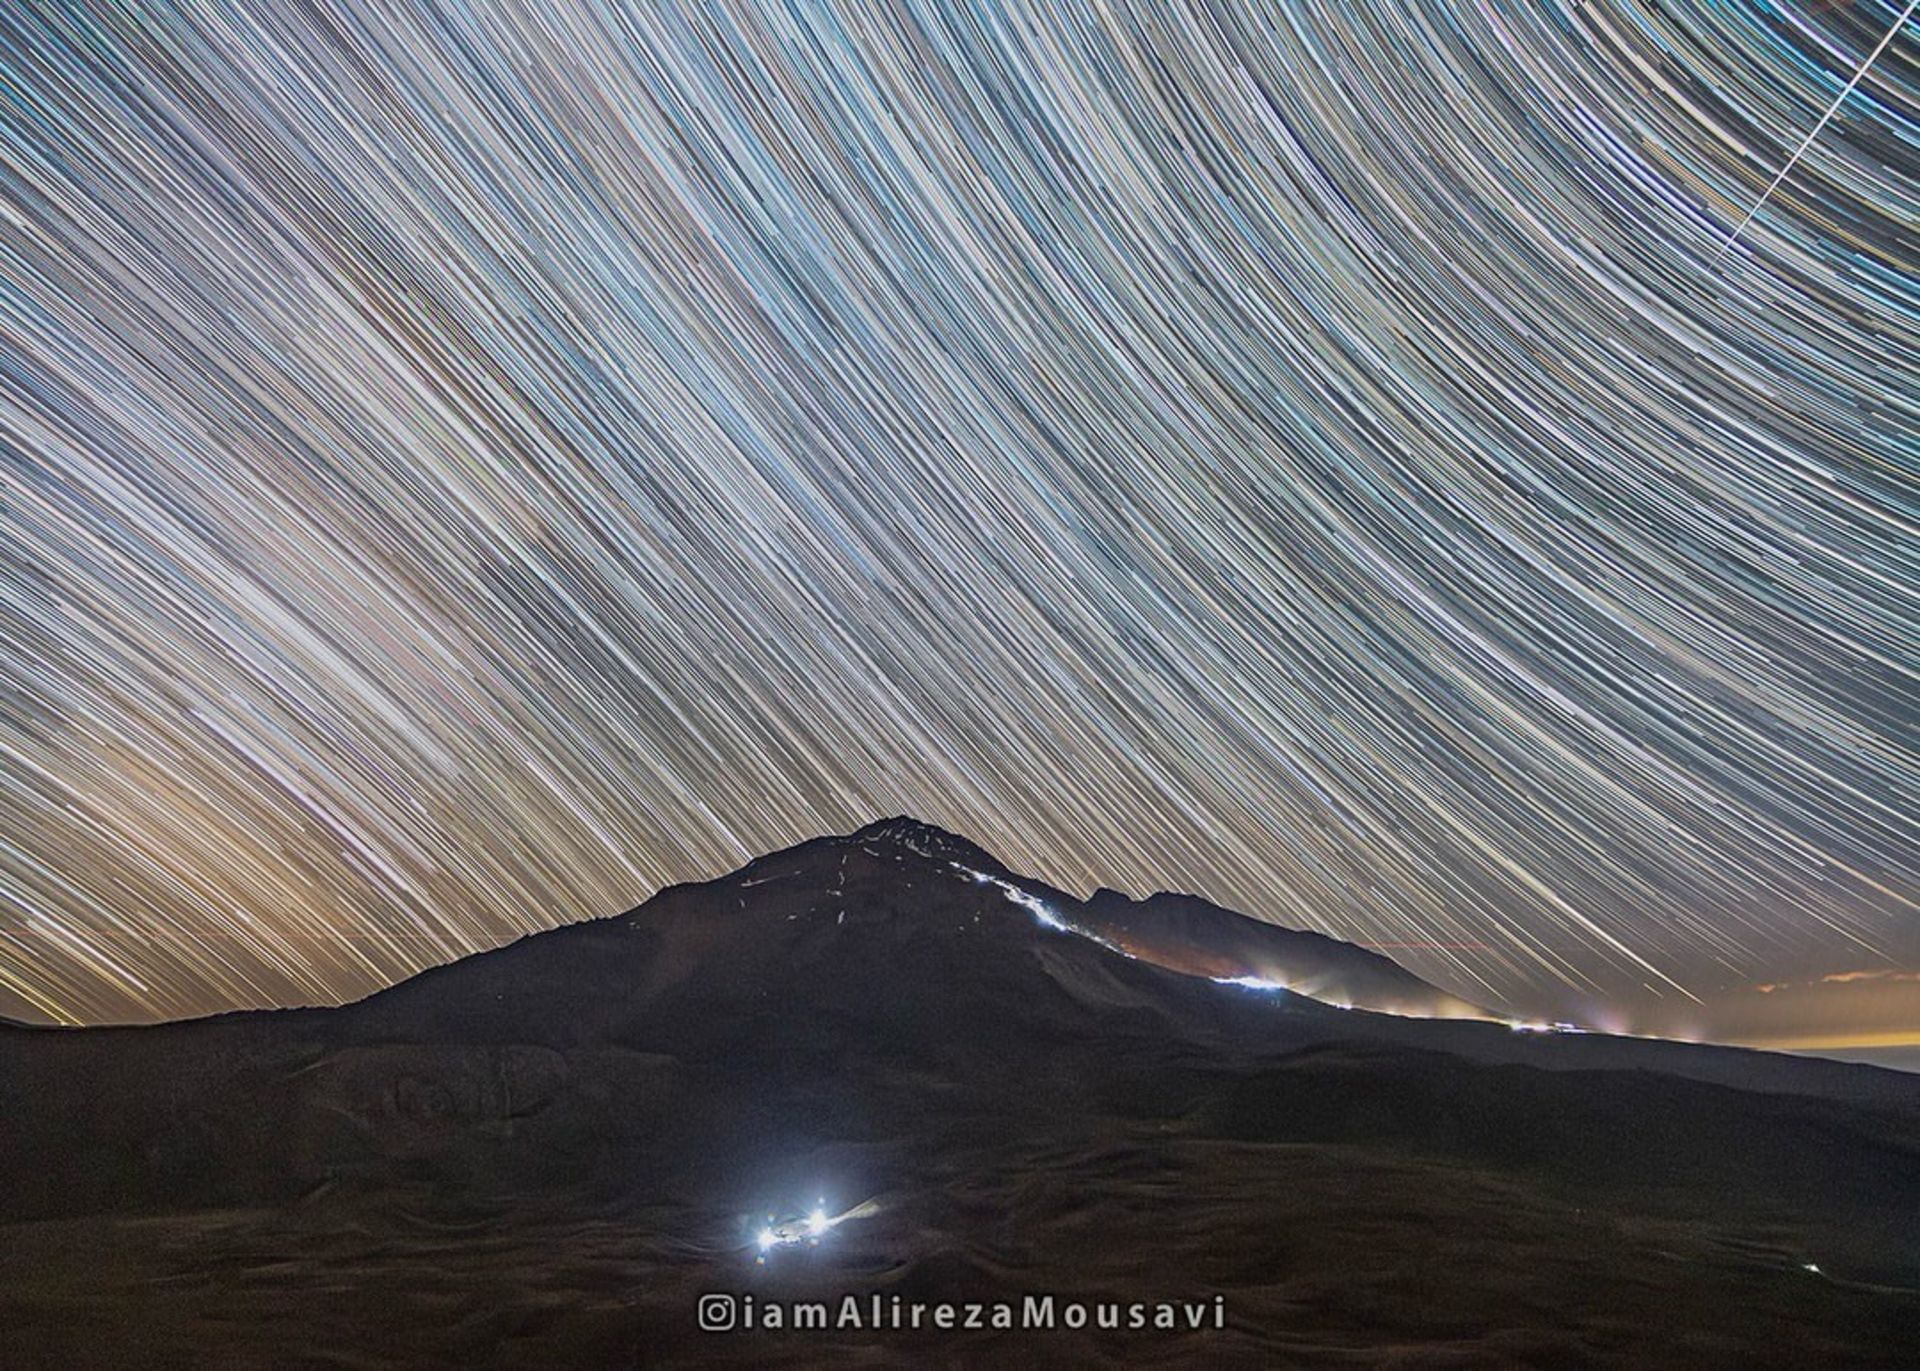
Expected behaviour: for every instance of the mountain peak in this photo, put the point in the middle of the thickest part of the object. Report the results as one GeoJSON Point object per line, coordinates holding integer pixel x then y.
{"type": "Point", "coordinates": [928, 840]}
{"type": "Point", "coordinates": [1186, 933]}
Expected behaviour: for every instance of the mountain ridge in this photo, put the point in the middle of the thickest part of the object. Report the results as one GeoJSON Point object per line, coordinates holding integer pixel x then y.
{"type": "Point", "coordinates": [1101, 920]}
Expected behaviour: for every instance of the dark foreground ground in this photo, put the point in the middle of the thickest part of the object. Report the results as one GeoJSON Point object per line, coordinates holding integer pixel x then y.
{"type": "Point", "coordinates": [546, 1155]}
{"type": "Point", "coordinates": [1327, 1256]}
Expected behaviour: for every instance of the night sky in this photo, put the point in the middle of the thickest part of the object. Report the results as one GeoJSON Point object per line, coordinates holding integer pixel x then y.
{"type": "Point", "coordinates": [466, 465]}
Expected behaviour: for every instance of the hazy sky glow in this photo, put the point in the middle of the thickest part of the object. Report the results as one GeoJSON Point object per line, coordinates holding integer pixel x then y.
{"type": "Point", "coordinates": [464, 465]}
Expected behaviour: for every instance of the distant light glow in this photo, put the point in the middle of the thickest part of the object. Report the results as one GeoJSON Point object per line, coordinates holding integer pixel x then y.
{"type": "Point", "coordinates": [1250, 982]}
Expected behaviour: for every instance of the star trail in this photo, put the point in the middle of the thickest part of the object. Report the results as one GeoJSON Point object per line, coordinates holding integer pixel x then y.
{"type": "Point", "coordinates": [465, 465]}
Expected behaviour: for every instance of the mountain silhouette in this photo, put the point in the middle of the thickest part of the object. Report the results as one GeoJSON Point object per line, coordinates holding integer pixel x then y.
{"type": "Point", "coordinates": [545, 1153]}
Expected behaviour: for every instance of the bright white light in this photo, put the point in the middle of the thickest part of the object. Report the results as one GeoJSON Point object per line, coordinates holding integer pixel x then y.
{"type": "Point", "coordinates": [767, 1239]}
{"type": "Point", "coordinates": [1040, 909]}
{"type": "Point", "coordinates": [1811, 1267]}
{"type": "Point", "coordinates": [1249, 982]}
{"type": "Point", "coordinates": [817, 1222]}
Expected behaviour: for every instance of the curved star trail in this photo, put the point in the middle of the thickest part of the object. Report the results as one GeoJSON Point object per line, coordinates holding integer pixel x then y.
{"type": "Point", "coordinates": [463, 465]}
